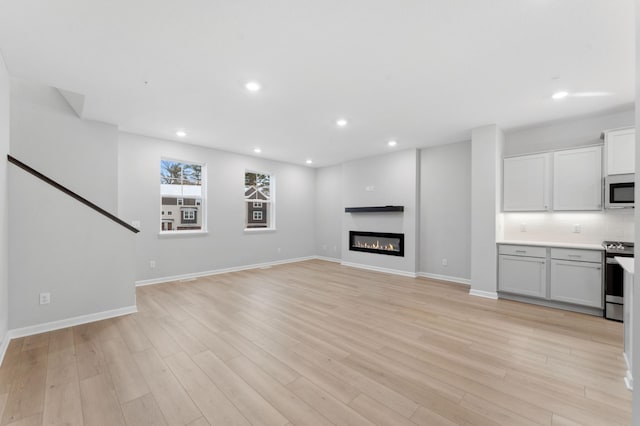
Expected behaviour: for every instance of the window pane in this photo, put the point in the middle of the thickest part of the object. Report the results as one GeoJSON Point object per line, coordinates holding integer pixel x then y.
{"type": "Point", "coordinates": [257, 194]}
{"type": "Point", "coordinates": [181, 191]}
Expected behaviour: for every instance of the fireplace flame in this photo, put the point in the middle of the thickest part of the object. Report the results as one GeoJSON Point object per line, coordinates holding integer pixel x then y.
{"type": "Point", "coordinates": [376, 246]}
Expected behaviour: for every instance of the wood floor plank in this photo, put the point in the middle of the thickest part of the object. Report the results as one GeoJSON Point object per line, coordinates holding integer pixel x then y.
{"type": "Point", "coordinates": [99, 402]}
{"type": "Point", "coordinates": [143, 411]}
{"type": "Point", "coordinates": [62, 402]}
{"type": "Point", "coordinates": [336, 411]}
{"type": "Point", "coordinates": [213, 404]}
{"type": "Point", "coordinates": [125, 374]}
{"type": "Point", "coordinates": [26, 396]}
{"type": "Point", "coordinates": [285, 401]}
{"type": "Point", "coordinates": [374, 411]}
{"type": "Point", "coordinates": [176, 406]}
{"type": "Point", "coordinates": [253, 406]}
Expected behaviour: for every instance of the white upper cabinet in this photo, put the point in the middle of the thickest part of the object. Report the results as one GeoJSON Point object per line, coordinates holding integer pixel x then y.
{"type": "Point", "coordinates": [577, 179]}
{"type": "Point", "coordinates": [526, 183]}
{"type": "Point", "coordinates": [620, 148]}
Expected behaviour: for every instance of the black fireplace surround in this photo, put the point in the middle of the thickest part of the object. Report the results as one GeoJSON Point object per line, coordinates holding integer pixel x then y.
{"type": "Point", "coordinates": [377, 242]}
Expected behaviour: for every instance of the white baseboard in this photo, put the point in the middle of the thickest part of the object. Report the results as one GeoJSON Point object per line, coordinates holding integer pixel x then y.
{"type": "Point", "coordinates": [485, 294]}
{"type": "Point", "coordinates": [3, 347]}
{"type": "Point", "coordinates": [328, 259]}
{"type": "Point", "coordinates": [378, 269]}
{"type": "Point", "coordinates": [70, 322]}
{"type": "Point", "coordinates": [628, 379]}
{"type": "Point", "coordinates": [220, 271]}
{"type": "Point", "coordinates": [465, 281]}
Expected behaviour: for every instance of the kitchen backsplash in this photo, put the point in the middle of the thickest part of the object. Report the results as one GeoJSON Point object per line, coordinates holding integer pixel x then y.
{"type": "Point", "coordinates": [593, 227]}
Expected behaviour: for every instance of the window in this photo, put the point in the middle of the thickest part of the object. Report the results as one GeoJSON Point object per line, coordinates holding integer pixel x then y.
{"type": "Point", "coordinates": [259, 200]}
{"type": "Point", "coordinates": [182, 191]}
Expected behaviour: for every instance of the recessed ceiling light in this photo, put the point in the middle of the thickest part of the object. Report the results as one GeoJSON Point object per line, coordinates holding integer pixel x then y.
{"type": "Point", "coordinates": [392, 143]}
{"type": "Point", "coordinates": [253, 86]}
{"type": "Point", "coordinates": [341, 122]}
{"type": "Point", "coordinates": [560, 95]}
{"type": "Point", "coordinates": [257, 150]}
{"type": "Point", "coordinates": [181, 133]}
{"type": "Point", "coordinates": [309, 161]}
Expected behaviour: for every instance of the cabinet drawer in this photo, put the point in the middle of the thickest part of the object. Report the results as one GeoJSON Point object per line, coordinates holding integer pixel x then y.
{"type": "Point", "coordinates": [530, 251]}
{"type": "Point", "coordinates": [578, 255]}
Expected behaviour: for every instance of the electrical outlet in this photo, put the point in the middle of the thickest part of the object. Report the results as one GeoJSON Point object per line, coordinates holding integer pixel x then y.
{"type": "Point", "coordinates": [445, 262]}
{"type": "Point", "coordinates": [279, 250]}
{"type": "Point", "coordinates": [577, 228]}
{"type": "Point", "coordinates": [523, 227]}
{"type": "Point", "coordinates": [152, 264]}
{"type": "Point", "coordinates": [45, 298]}
{"type": "Point", "coordinates": [135, 224]}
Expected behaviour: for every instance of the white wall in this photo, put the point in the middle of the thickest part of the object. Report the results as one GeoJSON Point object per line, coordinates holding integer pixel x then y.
{"type": "Point", "coordinates": [392, 180]}
{"type": "Point", "coordinates": [486, 183]}
{"type": "Point", "coordinates": [329, 212]}
{"type": "Point", "coordinates": [57, 244]}
{"type": "Point", "coordinates": [47, 135]}
{"type": "Point", "coordinates": [445, 227]}
{"type": "Point", "coordinates": [613, 225]}
{"type": "Point", "coordinates": [226, 245]}
{"type": "Point", "coordinates": [61, 246]}
{"type": "Point", "coordinates": [564, 134]}
{"type": "Point", "coordinates": [4, 202]}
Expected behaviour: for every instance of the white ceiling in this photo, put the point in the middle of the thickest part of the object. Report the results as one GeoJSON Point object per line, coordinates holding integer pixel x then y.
{"type": "Point", "coordinates": [422, 72]}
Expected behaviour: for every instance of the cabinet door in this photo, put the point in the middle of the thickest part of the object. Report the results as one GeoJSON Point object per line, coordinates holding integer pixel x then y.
{"type": "Point", "coordinates": [577, 282]}
{"type": "Point", "coordinates": [526, 183]}
{"type": "Point", "coordinates": [621, 151]}
{"type": "Point", "coordinates": [577, 179]}
{"type": "Point", "coordinates": [522, 275]}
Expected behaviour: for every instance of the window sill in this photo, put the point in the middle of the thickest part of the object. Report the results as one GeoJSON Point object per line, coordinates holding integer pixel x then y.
{"type": "Point", "coordinates": [173, 234]}
{"type": "Point", "coordinates": [258, 230]}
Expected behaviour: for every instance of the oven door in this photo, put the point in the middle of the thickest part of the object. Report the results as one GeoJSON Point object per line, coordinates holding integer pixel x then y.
{"type": "Point", "coordinates": [613, 282]}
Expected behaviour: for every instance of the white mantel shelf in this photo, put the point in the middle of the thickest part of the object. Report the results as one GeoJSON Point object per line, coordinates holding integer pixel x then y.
{"type": "Point", "coordinates": [558, 244]}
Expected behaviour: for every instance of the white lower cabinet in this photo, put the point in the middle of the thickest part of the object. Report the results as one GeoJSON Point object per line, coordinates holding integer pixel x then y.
{"type": "Point", "coordinates": [552, 274]}
{"type": "Point", "coordinates": [523, 275]}
{"type": "Point", "coordinates": [579, 283]}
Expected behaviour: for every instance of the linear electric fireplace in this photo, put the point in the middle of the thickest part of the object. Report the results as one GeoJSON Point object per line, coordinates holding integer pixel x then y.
{"type": "Point", "coordinates": [377, 242]}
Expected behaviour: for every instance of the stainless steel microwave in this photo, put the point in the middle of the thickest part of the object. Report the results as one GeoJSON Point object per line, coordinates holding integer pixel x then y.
{"type": "Point", "coordinates": [619, 191]}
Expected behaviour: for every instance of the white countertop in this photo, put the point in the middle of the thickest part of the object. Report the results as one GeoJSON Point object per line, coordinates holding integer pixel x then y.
{"type": "Point", "coordinates": [626, 263]}
{"type": "Point", "coordinates": [554, 244]}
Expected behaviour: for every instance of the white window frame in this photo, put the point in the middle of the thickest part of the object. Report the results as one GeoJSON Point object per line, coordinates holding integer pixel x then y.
{"type": "Point", "coordinates": [258, 204]}
{"type": "Point", "coordinates": [257, 215]}
{"type": "Point", "coordinates": [190, 213]}
{"type": "Point", "coordinates": [180, 202]}
{"type": "Point", "coordinates": [271, 208]}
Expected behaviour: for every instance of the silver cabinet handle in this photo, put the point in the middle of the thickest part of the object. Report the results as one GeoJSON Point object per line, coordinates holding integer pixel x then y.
{"type": "Point", "coordinates": [575, 255]}
{"type": "Point", "coordinates": [521, 251]}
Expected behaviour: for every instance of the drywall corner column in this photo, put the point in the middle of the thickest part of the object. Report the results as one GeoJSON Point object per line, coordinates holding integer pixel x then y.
{"type": "Point", "coordinates": [4, 209]}
{"type": "Point", "coordinates": [635, 339]}
{"type": "Point", "coordinates": [486, 173]}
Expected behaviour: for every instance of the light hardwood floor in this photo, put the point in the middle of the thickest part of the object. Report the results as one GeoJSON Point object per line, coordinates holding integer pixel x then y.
{"type": "Point", "coordinates": [317, 343]}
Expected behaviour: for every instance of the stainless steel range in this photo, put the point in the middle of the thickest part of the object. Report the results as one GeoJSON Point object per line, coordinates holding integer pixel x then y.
{"type": "Point", "coordinates": [613, 278]}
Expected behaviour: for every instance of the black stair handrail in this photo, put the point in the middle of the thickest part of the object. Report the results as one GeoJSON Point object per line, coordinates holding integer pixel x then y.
{"type": "Point", "coordinates": [70, 193]}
